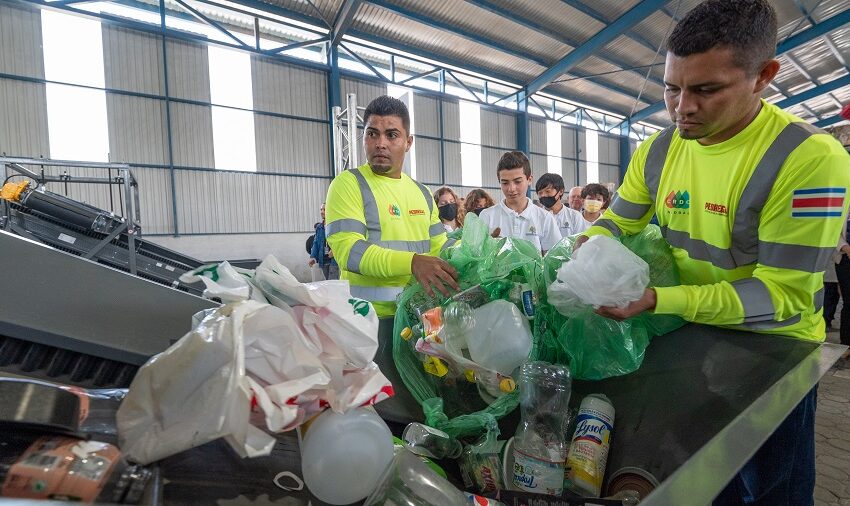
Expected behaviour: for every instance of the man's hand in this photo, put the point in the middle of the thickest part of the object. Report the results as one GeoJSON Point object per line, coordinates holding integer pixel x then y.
{"type": "Point", "coordinates": [845, 250]}
{"type": "Point", "coordinates": [312, 262]}
{"type": "Point", "coordinates": [495, 233]}
{"type": "Point", "coordinates": [645, 303]}
{"type": "Point", "coordinates": [579, 241]}
{"type": "Point", "coordinates": [330, 254]}
{"type": "Point", "coordinates": [434, 272]}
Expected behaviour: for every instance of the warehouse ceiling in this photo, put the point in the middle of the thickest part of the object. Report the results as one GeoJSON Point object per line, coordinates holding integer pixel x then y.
{"type": "Point", "coordinates": [598, 52]}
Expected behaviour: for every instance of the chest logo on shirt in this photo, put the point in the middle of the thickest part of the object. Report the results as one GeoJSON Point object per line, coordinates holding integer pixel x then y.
{"type": "Point", "coordinates": [718, 209]}
{"type": "Point", "coordinates": [678, 201]}
{"type": "Point", "coordinates": [818, 202]}
{"type": "Point", "coordinates": [394, 210]}
{"type": "Point", "coordinates": [416, 212]}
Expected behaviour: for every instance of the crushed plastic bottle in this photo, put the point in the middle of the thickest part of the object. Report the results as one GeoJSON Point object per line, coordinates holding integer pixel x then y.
{"type": "Point", "coordinates": [481, 463]}
{"type": "Point", "coordinates": [430, 442]}
{"type": "Point", "coordinates": [409, 482]}
{"type": "Point", "coordinates": [540, 445]}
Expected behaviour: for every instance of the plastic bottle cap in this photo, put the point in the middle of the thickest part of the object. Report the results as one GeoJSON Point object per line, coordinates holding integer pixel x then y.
{"type": "Point", "coordinates": [507, 385]}
{"type": "Point", "coordinates": [470, 375]}
{"type": "Point", "coordinates": [406, 333]}
{"type": "Point", "coordinates": [436, 367]}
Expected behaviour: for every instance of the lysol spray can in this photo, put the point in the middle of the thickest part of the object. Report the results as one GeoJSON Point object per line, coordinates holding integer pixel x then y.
{"type": "Point", "coordinates": [589, 449]}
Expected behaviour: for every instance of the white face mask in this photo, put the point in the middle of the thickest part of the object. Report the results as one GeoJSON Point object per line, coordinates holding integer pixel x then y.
{"type": "Point", "coordinates": [592, 206]}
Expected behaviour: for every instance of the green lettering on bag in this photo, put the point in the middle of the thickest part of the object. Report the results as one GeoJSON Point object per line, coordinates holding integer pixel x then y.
{"type": "Point", "coordinates": [361, 307]}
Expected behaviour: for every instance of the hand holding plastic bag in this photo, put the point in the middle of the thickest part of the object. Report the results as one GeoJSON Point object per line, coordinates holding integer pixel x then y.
{"type": "Point", "coordinates": [602, 273]}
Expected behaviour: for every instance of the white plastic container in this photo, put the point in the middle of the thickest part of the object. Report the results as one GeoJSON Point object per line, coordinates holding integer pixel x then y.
{"type": "Point", "coordinates": [589, 449]}
{"type": "Point", "coordinates": [501, 337]}
{"type": "Point", "coordinates": [344, 456]}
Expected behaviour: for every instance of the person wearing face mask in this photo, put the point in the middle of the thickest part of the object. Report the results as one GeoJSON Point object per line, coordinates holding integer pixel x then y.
{"type": "Point", "coordinates": [451, 214]}
{"type": "Point", "coordinates": [595, 199]}
{"type": "Point", "coordinates": [550, 192]}
{"type": "Point", "coordinates": [478, 200]}
{"type": "Point", "coordinates": [383, 227]}
{"type": "Point", "coordinates": [515, 216]}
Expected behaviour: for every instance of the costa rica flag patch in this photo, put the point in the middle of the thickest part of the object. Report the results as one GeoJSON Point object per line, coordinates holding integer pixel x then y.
{"type": "Point", "coordinates": [818, 202]}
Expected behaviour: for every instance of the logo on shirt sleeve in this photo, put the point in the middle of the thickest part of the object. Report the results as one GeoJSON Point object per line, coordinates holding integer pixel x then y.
{"type": "Point", "coordinates": [818, 202]}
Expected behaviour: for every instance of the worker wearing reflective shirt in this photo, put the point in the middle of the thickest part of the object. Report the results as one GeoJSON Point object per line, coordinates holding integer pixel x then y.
{"type": "Point", "coordinates": [752, 200]}
{"type": "Point", "coordinates": [382, 225]}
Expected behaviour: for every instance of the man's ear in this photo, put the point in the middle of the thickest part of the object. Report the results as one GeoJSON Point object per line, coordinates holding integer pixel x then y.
{"type": "Point", "coordinates": [766, 75]}
{"type": "Point", "coordinates": [409, 143]}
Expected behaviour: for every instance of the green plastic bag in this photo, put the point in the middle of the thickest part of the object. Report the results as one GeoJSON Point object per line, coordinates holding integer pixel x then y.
{"type": "Point", "coordinates": [453, 404]}
{"type": "Point", "coordinates": [596, 347]}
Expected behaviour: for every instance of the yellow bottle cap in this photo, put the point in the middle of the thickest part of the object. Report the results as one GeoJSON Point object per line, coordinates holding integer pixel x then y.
{"type": "Point", "coordinates": [507, 385]}
{"type": "Point", "coordinates": [436, 367]}
{"type": "Point", "coordinates": [406, 333]}
{"type": "Point", "coordinates": [470, 375]}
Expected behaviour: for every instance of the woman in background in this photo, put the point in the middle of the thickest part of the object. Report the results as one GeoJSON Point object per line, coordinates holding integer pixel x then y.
{"type": "Point", "coordinates": [478, 200]}
{"type": "Point", "coordinates": [451, 214]}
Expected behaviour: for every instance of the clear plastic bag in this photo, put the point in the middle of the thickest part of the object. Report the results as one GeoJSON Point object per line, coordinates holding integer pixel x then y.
{"type": "Point", "coordinates": [602, 272]}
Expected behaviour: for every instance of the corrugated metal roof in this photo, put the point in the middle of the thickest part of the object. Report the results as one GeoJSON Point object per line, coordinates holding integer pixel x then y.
{"type": "Point", "coordinates": [518, 39]}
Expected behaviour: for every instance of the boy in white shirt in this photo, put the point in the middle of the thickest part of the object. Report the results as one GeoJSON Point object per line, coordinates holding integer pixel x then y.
{"type": "Point", "coordinates": [550, 191]}
{"type": "Point", "coordinates": [515, 216]}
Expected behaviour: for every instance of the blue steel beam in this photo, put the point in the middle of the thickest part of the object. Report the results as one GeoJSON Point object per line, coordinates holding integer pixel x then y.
{"type": "Point", "coordinates": [788, 44]}
{"type": "Point", "coordinates": [616, 28]}
{"type": "Point", "coordinates": [554, 34]}
{"type": "Point", "coordinates": [828, 121]}
{"type": "Point", "coordinates": [593, 13]}
{"type": "Point", "coordinates": [814, 92]}
{"type": "Point", "coordinates": [344, 19]}
{"type": "Point", "coordinates": [460, 32]}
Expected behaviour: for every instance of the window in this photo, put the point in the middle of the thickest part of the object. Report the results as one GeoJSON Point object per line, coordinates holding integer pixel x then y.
{"type": "Point", "coordinates": [470, 147]}
{"type": "Point", "coordinates": [592, 150]}
{"type": "Point", "coordinates": [233, 129]}
{"type": "Point", "coordinates": [553, 147]}
{"type": "Point", "coordinates": [76, 117]}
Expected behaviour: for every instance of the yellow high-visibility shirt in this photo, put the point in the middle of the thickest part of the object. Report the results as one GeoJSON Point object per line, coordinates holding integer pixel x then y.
{"type": "Point", "coordinates": [752, 221]}
{"type": "Point", "coordinates": [375, 225]}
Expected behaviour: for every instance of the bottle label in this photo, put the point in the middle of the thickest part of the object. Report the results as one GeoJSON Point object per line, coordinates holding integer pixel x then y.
{"type": "Point", "coordinates": [538, 476]}
{"type": "Point", "coordinates": [527, 298]}
{"type": "Point", "coordinates": [589, 450]}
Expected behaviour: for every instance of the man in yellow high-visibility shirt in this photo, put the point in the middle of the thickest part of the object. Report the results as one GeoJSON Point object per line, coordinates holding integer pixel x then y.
{"type": "Point", "coordinates": [382, 225]}
{"type": "Point", "coordinates": [752, 201]}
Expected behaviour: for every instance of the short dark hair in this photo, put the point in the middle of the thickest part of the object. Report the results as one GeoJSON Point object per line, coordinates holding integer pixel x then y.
{"type": "Point", "coordinates": [748, 27]}
{"type": "Point", "coordinates": [549, 179]}
{"type": "Point", "coordinates": [512, 160]}
{"type": "Point", "coordinates": [596, 189]}
{"type": "Point", "coordinates": [388, 106]}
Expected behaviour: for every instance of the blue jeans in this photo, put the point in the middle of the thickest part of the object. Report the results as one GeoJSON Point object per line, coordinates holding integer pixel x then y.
{"type": "Point", "coordinates": [782, 472]}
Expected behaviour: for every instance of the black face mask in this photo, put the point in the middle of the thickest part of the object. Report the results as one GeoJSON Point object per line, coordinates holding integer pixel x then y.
{"type": "Point", "coordinates": [448, 212]}
{"type": "Point", "coordinates": [548, 202]}
{"type": "Point", "coordinates": [478, 212]}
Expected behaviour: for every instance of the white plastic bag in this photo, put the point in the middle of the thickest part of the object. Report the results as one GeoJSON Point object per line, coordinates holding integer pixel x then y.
{"type": "Point", "coordinates": [193, 393]}
{"type": "Point", "coordinates": [602, 272]}
{"type": "Point", "coordinates": [316, 273]}
{"type": "Point", "coordinates": [290, 363]}
{"type": "Point", "coordinates": [225, 282]}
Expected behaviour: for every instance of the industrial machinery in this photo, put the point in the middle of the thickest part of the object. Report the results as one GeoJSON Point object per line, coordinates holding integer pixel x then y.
{"type": "Point", "coordinates": [31, 211]}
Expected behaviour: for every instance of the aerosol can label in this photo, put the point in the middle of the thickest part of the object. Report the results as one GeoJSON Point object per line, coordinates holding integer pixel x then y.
{"type": "Point", "coordinates": [589, 449]}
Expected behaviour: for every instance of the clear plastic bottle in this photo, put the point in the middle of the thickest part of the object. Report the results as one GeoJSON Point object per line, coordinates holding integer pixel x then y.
{"type": "Point", "coordinates": [524, 297]}
{"type": "Point", "coordinates": [430, 442]}
{"type": "Point", "coordinates": [540, 445]}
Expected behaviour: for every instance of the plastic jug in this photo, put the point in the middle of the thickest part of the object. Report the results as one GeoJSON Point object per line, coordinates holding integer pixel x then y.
{"type": "Point", "coordinates": [344, 456]}
{"type": "Point", "coordinates": [500, 340]}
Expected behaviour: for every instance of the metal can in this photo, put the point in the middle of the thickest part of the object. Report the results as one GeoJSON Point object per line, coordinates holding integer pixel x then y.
{"type": "Point", "coordinates": [588, 454]}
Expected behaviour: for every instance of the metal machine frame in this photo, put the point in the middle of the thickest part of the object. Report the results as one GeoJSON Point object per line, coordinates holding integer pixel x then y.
{"type": "Point", "coordinates": [344, 123]}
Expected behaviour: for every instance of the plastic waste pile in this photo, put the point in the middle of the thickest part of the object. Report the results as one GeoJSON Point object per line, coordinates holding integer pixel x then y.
{"type": "Point", "coordinates": [458, 355]}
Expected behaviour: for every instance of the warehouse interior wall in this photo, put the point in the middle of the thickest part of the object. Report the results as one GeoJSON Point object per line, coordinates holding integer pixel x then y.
{"type": "Point", "coordinates": [160, 121]}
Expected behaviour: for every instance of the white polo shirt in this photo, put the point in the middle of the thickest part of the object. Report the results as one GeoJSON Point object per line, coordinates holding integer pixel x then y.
{"type": "Point", "coordinates": [534, 224]}
{"type": "Point", "coordinates": [570, 221]}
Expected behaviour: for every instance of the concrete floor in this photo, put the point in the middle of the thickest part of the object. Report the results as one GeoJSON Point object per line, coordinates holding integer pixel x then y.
{"type": "Point", "coordinates": [832, 434]}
